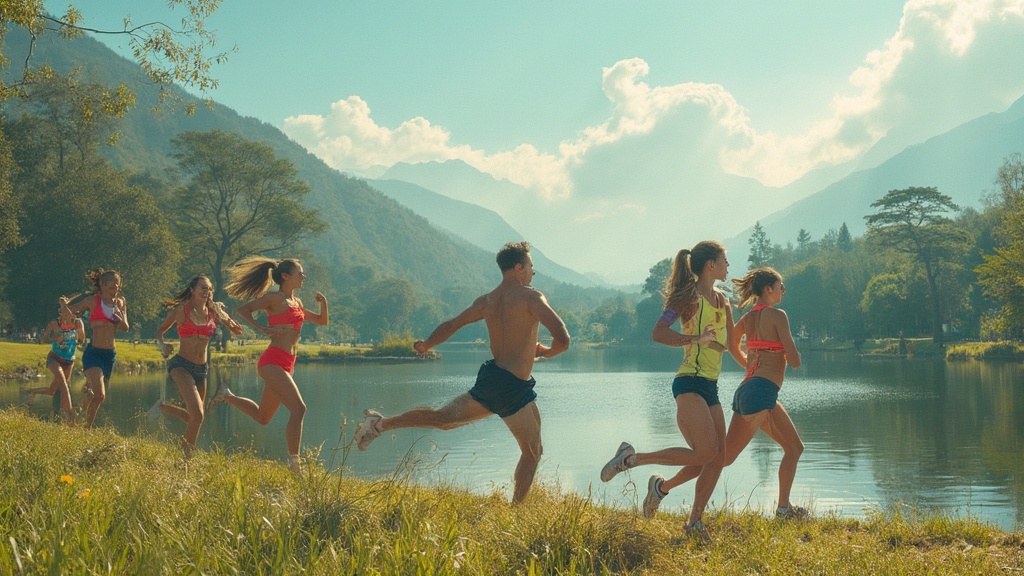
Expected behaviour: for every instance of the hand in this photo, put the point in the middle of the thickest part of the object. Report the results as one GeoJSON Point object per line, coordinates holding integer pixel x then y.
{"type": "Point", "coordinates": [541, 349]}
{"type": "Point", "coordinates": [166, 350]}
{"type": "Point", "coordinates": [320, 298]}
{"type": "Point", "coordinates": [234, 327]}
{"type": "Point", "coordinates": [119, 303]}
{"type": "Point", "coordinates": [708, 335]}
{"type": "Point", "coordinates": [420, 347]}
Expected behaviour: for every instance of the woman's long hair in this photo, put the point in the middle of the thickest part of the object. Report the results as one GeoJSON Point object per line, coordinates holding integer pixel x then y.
{"type": "Point", "coordinates": [251, 277]}
{"type": "Point", "coordinates": [99, 276]}
{"type": "Point", "coordinates": [186, 294]}
{"type": "Point", "coordinates": [680, 293]}
{"type": "Point", "coordinates": [751, 286]}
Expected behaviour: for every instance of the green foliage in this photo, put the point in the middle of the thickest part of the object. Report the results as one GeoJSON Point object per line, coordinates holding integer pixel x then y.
{"type": "Point", "coordinates": [1002, 274]}
{"type": "Point", "coordinates": [9, 228]}
{"type": "Point", "coordinates": [913, 221]}
{"type": "Point", "coordinates": [657, 277]}
{"type": "Point", "coordinates": [238, 199]}
{"type": "Point", "coordinates": [394, 345]}
{"type": "Point", "coordinates": [760, 248]}
{"type": "Point", "coordinates": [1002, 350]}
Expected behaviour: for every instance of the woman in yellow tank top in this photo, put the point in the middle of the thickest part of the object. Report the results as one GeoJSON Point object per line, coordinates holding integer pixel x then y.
{"type": "Point", "coordinates": [705, 315]}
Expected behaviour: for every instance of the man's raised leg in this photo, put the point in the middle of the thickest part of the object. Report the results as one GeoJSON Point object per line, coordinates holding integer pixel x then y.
{"type": "Point", "coordinates": [460, 411]}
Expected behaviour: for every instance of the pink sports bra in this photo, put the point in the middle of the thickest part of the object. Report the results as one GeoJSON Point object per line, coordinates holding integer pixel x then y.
{"type": "Point", "coordinates": [189, 329]}
{"type": "Point", "coordinates": [98, 312]}
{"type": "Point", "coordinates": [294, 316]}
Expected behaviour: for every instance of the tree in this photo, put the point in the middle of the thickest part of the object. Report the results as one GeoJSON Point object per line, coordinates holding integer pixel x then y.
{"type": "Point", "coordinates": [912, 221]}
{"type": "Point", "coordinates": [657, 277]}
{"type": "Point", "coordinates": [239, 199]}
{"type": "Point", "coordinates": [9, 229]}
{"type": "Point", "coordinates": [844, 241]}
{"type": "Point", "coordinates": [760, 247]}
{"type": "Point", "coordinates": [389, 309]}
{"type": "Point", "coordinates": [1002, 274]}
{"type": "Point", "coordinates": [167, 54]}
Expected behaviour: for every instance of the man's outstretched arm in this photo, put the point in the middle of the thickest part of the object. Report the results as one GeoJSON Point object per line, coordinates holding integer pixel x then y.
{"type": "Point", "coordinates": [554, 324]}
{"type": "Point", "coordinates": [446, 329]}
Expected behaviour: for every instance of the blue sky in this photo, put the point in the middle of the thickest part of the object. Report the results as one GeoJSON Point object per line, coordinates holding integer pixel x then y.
{"type": "Point", "coordinates": [612, 115]}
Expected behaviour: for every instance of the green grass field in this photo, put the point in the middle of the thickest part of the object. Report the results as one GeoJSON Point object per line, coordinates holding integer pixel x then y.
{"type": "Point", "coordinates": [90, 501]}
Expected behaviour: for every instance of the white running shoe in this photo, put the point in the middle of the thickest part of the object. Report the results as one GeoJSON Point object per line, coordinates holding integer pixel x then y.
{"type": "Point", "coordinates": [618, 462]}
{"type": "Point", "coordinates": [154, 411]}
{"type": "Point", "coordinates": [369, 429]}
{"type": "Point", "coordinates": [221, 395]}
{"type": "Point", "coordinates": [654, 496]}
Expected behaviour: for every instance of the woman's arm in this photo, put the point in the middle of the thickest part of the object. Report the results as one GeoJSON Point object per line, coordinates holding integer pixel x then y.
{"type": "Point", "coordinates": [664, 334]}
{"type": "Point", "coordinates": [80, 326]}
{"type": "Point", "coordinates": [172, 318]}
{"type": "Point", "coordinates": [322, 318]}
{"type": "Point", "coordinates": [245, 311]}
{"type": "Point", "coordinates": [735, 334]}
{"type": "Point", "coordinates": [49, 335]}
{"type": "Point", "coordinates": [786, 339]}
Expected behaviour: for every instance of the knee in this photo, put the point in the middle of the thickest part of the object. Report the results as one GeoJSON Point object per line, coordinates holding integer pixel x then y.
{"type": "Point", "coordinates": [300, 410]}
{"type": "Point", "coordinates": [196, 416]}
{"type": "Point", "coordinates": [795, 449]}
{"type": "Point", "coordinates": [533, 450]}
{"type": "Point", "coordinates": [98, 396]}
{"type": "Point", "coordinates": [708, 453]}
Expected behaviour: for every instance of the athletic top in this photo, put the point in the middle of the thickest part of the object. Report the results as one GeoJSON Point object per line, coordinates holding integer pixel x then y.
{"type": "Point", "coordinates": [66, 350]}
{"type": "Point", "coordinates": [700, 359]}
{"type": "Point", "coordinates": [754, 343]}
{"type": "Point", "coordinates": [101, 312]}
{"type": "Point", "coordinates": [189, 329]}
{"type": "Point", "coordinates": [757, 345]}
{"type": "Point", "coordinates": [293, 316]}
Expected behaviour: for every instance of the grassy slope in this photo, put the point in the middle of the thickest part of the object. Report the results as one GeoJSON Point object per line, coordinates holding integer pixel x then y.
{"type": "Point", "coordinates": [130, 505]}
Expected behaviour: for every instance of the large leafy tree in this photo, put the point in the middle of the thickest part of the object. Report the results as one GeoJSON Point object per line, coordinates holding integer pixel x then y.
{"type": "Point", "coordinates": [181, 53]}
{"type": "Point", "coordinates": [238, 199]}
{"type": "Point", "coordinates": [1002, 274]}
{"type": "Point", "coordinates": [760, 247]}
{"type": "Point", "coordinates": [913, 221]}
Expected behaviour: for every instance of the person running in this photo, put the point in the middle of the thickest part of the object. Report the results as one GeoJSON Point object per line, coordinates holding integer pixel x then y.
{"type": "Point", "coordinates": [197, 316]}
{"type": "Point", "coordinates": [64, 333]}
{"type": "Point", "coordinates": [107, 314]}
{"type": "Point", "coordinates": [755, 405]}
{"type": "Point", "coordinates": [249, 280]}
{"type": "Point", "coordinates": [504, 385]}
{"type": "Point", "coordinates": [705, 315]}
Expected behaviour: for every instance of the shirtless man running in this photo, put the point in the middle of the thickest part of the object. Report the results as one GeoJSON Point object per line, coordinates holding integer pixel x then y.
{"type": "Point", "coordinates": [512, 312]}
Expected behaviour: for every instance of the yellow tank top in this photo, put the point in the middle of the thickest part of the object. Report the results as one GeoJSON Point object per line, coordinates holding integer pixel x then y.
{"type": "Point", "coordinates": [700, 359]}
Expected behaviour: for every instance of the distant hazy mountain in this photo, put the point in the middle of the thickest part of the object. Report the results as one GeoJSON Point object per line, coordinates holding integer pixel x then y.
{"type": "Point", "coordinates": [961, 163]}
{"type": "Point", "coordinates": [479, 226]}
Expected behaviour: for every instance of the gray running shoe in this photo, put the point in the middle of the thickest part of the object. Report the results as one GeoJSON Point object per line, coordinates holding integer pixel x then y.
{"type": "Point", "coordinates": [654, 496]}
{"type": "Point", "coordinates": [154, 411]}
{"type": "Point", "coordinates": [792, 513]}
{"type": "Point", "coordinates": [221, 395]}
{"type": "Point", "coordinates": [618, 462]}
{"type": "Point", "coordinates": [697, 530]}
{"type": "Point", "coordinates": [369, 429]}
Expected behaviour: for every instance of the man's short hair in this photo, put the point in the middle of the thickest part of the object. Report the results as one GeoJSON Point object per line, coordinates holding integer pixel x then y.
{"type": "Point", "coordinates": [511, 254]}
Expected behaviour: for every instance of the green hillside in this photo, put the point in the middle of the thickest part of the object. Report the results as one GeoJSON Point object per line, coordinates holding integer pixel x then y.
{"type": "Point", "coordinates": [366, 228]}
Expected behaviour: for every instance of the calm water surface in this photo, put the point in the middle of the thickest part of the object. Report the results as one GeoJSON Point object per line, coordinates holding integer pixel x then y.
{"type": "Point", "coordinates": [878, 432]}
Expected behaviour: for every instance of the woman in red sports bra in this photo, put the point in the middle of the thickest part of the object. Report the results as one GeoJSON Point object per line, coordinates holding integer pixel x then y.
{"type": "Point", "coordinates": [250, 280]}
{"type": "Point", "coordinates": [107, 314]}
{"type": "Point", "coordinates": [755, 405]}
{"type": "Point", "coordinates": [197, 317]}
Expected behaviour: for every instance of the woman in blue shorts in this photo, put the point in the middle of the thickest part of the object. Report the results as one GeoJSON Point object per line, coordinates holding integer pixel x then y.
{"type": "Point", "coordinates": [755, 404]}
{"type": "Point", "coordinates": [705, 315]}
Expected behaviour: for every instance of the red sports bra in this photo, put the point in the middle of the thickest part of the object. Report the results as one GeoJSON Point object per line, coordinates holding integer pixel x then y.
{"type": "Point", "coordinates": [189, 329]}
{"type": "Point", "coordinates": [755, 344]}
{"type": "Point", "coordinates": [97, 313]}
{"type": "Point", "coordinates": [294, 316]}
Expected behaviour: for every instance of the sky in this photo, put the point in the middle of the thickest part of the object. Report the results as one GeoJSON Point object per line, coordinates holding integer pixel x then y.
{"type": "Point", "coordinates": [631, 129]}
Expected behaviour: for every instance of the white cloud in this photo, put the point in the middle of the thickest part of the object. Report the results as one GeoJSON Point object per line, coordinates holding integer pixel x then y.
{"type": "Point", "coordinates": [937, 50]}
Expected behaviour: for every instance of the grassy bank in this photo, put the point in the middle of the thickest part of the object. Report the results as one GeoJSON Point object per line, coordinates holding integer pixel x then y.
{"type": "Point", "coordinates": [986, 351]}
{"type": "Point", "coordinates": [106, 503]}
{"type": "Point", "coordinates": [19, 360]}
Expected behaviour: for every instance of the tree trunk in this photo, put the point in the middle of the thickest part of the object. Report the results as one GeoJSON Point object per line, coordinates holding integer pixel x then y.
{"type": "Point", "coordinates": [933, 287]}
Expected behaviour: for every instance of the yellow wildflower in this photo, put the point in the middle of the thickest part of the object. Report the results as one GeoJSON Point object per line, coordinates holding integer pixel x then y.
{"type": "Point", "coordinates": [83, 493]}
{"type": "Point", "coordinates": [67, 479]}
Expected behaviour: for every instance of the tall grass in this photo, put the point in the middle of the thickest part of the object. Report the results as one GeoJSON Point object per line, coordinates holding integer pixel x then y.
{"type": "Point", "coordinates": [90, 501]}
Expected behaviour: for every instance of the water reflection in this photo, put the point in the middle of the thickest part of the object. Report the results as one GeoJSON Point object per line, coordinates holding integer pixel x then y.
{"type": "Point", "coordinates": [876, 431]}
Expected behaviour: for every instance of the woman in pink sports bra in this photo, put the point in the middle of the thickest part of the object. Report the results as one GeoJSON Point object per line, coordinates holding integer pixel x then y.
{"type": "Point", "coordinates": [755, 405]}
{"type": "Point", "coordinates": [197, 316]}
{"type": "Point", "coordinates": [250, 280]}
{"type": "Point", "coordinates": [107, 314]}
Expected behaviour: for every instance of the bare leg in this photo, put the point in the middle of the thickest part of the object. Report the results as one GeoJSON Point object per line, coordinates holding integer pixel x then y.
{"type": "Point", "coordinates": [741, 431]}
{"type": "Point", "coordinates": [711, 471]}
{"type": "Point", "coordinates": [95, 382]}
{"type": "Point", "coordinates": [192, 394]}
{"type": "Point", "coordinates": [525, 427]}
{"type": "Point", "coordinates": [695, 422]}
{"type": "Point", "coordinates": [58, 376]}
{"type": "Point", "coordinates": [460, 411]}
{"type": "Point", "coordinates": [780, 428]}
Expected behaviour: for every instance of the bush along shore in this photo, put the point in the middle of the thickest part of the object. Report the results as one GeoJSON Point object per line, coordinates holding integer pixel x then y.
{"type": "Point", "coordinates": [81, 501]}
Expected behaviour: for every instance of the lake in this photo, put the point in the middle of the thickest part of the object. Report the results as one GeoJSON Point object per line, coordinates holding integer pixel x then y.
{"type": "Point", "coordinates": [878, 432]}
